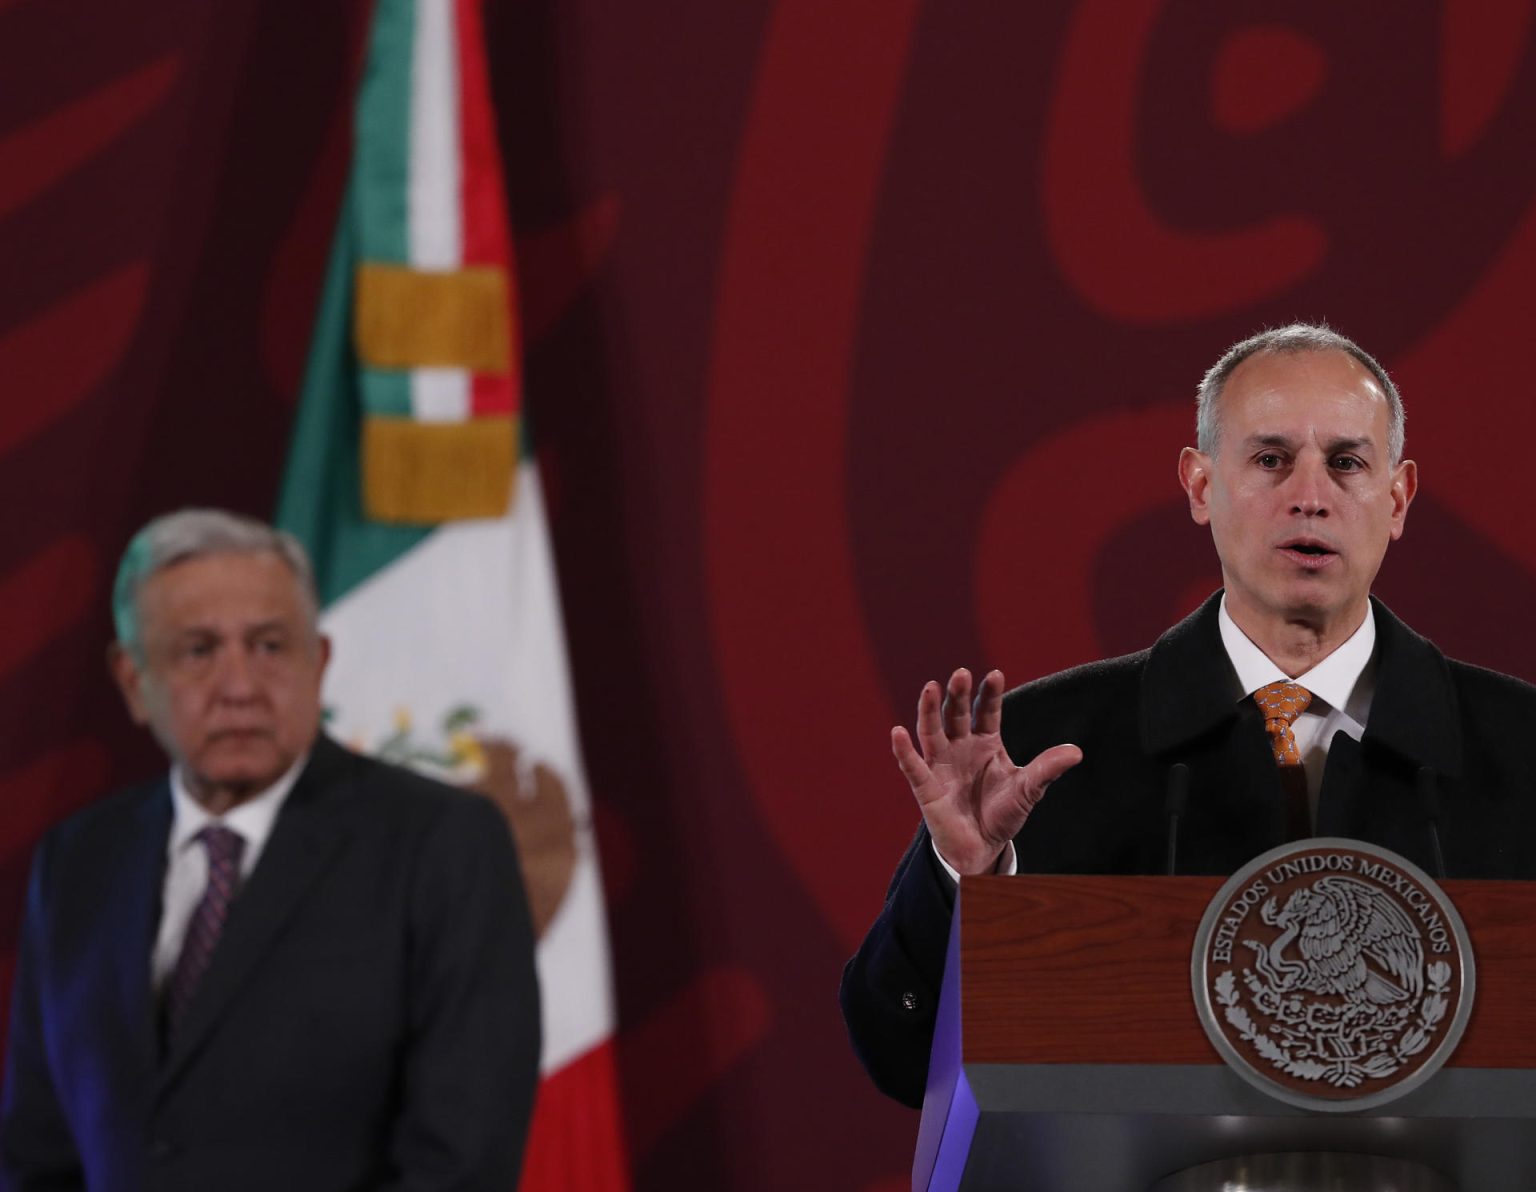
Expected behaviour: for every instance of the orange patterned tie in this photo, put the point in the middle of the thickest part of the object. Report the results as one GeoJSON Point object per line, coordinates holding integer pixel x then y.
{"type": "Point", "coordinates": [1281, 703]}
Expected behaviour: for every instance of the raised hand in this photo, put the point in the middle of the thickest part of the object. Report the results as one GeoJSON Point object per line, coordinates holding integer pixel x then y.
{"type": "Point", "coordinates": [972, 796]}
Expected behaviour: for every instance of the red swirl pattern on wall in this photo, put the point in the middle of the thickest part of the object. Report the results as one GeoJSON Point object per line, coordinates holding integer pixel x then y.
{"type": "Point", "coordinates": [860, 342]}
{"type": "Point", "coordinates": [1120, 256]}
{"type": "Point", "coordinates": [786, 616]}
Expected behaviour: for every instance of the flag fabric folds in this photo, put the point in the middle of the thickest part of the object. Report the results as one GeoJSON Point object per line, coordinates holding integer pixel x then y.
{"type": "Point", "coordinates": [411, 484]}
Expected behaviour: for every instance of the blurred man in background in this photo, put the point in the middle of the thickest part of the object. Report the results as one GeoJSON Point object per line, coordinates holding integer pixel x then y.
{"type": "Point", "coordinates": [281, 965]}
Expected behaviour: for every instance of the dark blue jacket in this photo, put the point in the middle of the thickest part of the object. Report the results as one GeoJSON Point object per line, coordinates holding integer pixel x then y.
{"type": "Point", "coordinates": [370, 1018]}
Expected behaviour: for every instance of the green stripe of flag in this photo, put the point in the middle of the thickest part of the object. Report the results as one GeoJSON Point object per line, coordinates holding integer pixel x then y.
{"type": "Point", "coordinates": [386, 392]}
{"type": "Point", "coordinates": [321, 497]}
{"type": "Point", "coordinates": [382, 157]}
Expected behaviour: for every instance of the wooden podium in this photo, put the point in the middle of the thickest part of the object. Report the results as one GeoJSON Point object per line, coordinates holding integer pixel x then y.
{"type": "Point", "coordinates": [1068, 1055]}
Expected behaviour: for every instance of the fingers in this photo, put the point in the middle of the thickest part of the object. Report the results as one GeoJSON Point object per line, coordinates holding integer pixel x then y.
{"type": "Point", "coordinates": [988, 717]}
{"type": "Point", "coordinates": [1046, 768]}
{"type": "Point", "coordinates": [913, 768]}
{"type": "Point", "coordinates": [957, 705]}
{"type": "Point", "coordinates": [949, 714]}
{"type": "Point", "coordinates": [930, 724]}
{"type": "Point", "coordinates": [1004, 815]}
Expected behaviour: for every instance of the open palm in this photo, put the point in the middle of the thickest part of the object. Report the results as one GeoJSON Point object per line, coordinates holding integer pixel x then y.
{"type": "Point", "coordinates": [973, 797]}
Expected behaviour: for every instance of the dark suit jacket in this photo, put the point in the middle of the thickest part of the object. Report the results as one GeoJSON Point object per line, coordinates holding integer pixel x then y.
{"type": "Point", "coordinates": [370, 1018]}
{"type": "Point", "coordinates": [1136, 716]}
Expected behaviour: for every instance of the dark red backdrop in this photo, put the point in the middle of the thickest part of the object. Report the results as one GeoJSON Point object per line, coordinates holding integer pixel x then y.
{"type": "Point", "coordinates": [862, 337]}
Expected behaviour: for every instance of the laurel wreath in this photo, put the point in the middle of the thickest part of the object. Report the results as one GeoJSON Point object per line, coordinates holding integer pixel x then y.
{"type": "Point", "coordinates": [1341, 1074]}
{"type": "Point", "coordinates": [1438, 977]}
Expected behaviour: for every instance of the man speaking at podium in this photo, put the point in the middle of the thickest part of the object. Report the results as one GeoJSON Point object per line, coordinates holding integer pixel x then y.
{"type": "Point", "coordinates": [1290, 704]}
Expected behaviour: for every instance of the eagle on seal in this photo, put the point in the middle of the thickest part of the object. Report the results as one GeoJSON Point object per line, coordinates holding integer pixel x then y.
{"type": "Point", "coordinates": [1339, 924]}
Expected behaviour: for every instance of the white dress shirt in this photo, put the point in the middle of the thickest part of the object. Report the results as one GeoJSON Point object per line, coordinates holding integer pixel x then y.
{"type": "Point", "coordinates": [186, 859]}
{"type": "Point", "coordinates": [1342, 686]}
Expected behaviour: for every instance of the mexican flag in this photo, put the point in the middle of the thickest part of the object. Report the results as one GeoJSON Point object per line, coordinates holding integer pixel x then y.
{"type": "Point", "coordinates": [413, 485]}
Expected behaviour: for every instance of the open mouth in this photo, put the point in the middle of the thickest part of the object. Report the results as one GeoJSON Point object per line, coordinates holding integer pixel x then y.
{"type": "Point", "coordinates": [1309, 553]}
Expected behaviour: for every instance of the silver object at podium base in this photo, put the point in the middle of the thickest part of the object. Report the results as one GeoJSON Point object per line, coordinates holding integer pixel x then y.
{"type": "Point", "coordinates": [1306, 1171]}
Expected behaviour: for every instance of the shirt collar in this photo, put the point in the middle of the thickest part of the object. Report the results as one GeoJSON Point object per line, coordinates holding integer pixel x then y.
{"type": "Point", "coordinates": [252, 818]}
{"type": "Point", "coordinates": [1332, 680]}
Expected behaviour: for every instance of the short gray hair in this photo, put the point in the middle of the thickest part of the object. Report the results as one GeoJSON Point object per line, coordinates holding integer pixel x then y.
{"type": "Point", "coordinates": [192, 534]}
{"type": "Point", "coordinates": [1296, 337]}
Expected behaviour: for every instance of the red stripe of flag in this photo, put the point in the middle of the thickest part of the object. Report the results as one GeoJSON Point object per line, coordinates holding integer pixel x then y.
{"type": "Point", "coordinates": [576, 1143]}
{"type": "Point", "coordinates": [487, 240]}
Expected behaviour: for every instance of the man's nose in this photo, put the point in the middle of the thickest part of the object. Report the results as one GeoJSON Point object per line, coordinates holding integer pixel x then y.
{"type": "Point", "coordinates": [237, 674]}
{"type": "Point", "coordinates": [1309, 486]}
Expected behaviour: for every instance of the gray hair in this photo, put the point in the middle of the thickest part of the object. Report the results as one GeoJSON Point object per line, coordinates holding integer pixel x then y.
{"type": "Point", "coordinates": [1297, 337]}
{"type": "Point", "coordinates": [192, 534]}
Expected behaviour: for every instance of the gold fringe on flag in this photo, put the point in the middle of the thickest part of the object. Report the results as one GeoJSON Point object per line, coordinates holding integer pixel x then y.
{"type": "Point", "coordinates": [426, 472]}
{"type": "Point", "coordinates": [413, 318]}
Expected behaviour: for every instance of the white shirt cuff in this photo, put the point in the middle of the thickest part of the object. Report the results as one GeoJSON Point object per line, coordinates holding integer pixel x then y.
{"type": "Point", "coordinates": [1007, 863]}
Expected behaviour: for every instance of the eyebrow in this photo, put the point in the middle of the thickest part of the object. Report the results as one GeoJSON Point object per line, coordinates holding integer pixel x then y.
{"type": "Point", "coordinates": [275, 625]}
{"type": "Point", "coordinates": [1333, 447]}
{"type": "Point", "coordinates": [1365, 444]}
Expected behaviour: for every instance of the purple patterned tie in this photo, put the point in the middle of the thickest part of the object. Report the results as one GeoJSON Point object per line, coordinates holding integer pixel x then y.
{"type": "Point", "coordinates": [224, 848]}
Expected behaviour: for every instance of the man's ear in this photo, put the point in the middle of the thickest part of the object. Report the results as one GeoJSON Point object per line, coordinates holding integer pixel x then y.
{"type": "Point", "coordinates": [1195, 476]}
{"type": "Point", "coordinates": [129, 678]}
{"type": "Point", "coordinates": [1405, 483]}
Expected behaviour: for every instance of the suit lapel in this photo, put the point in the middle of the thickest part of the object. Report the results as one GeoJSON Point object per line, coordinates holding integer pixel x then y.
{"type": "Point", "coordinates": [136, 916]}
{"type": "Point", "coordinates": [1414, 712]}
{"type": "Point", "coordinates": [1338, 803]}
{"type": "Point", "coordinates": [304, 841]}
{"type": "Point", "coordinates": [1413, 720]}
{"type": "Point", "coordinates": [1369, 786]}
{"type": "Point", "coordinates": [1188, 687]}
{"type": "Point", "coordinates": [1192, 711]}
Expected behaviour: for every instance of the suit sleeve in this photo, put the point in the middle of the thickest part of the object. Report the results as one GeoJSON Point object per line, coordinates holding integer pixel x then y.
{"type": "Point", "coordinates": [472, 1060]}
{"type": "Point", "coordinates": [37, 1147]}
{"type": "Point", "coordinates": [890, 989]}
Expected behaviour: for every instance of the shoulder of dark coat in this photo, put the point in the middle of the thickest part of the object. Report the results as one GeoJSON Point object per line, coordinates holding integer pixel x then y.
{"type": "Point", "coordinates": [1093, 680]}
{"type": "Point", "coordinates": [1085, 705]}
{"type": "Point", "coordinates": [1480, 683]}
{"type": "Point", "coordinates": [1472, 682]}
{"type": "Point", "coordinates": [382, 788]}
{"type": "Point", "coordinates": [113, 814]}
